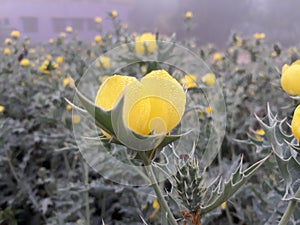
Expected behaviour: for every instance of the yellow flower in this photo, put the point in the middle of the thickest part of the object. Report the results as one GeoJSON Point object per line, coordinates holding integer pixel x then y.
{"type": "Point", "coordinates": [143, 69]}
{"type": "Point", "coordinates": [156, 208]}
{"type": "Point", "coordinates": [296, 123]}
{"type": "Point", "coordinates": [223, 205]}
{"type": "Point", "coordinates": [217, 57]}
{"type": "Point", "coordinates": [62, 35]}
{"type": "Point", "coordinates": [25, 62]}
{"type": "Point", "coordinates": [188, 15]}
{"type": "Point", "coordinates": [68, 107]}
{"type": "Point", "coordinates": [274, 54]}
{"type": "Point", "coordinates": [259, 36]}
{"type": "Point", "coordinates": [15, 34]}
{"type": "Point", "coordinates": [2, 108]}
{"type": "Point", "coordinates": [208, 110]}
{"type": "Point", "coordinates": [189, 81]}
{"type": "Point", "coordinates": [68, 81]}
{"type": "Point", "coordinates": [76, 119]}
{"type": "Point", "coordinates": [290, 78]}
{"type": "Point", "coordinates": [209, 79]}
{"type": "Point", "coordinates": [156, 103]}
{"type": "Point", "coordinates": [98, 19]}
{"type": "Point", "coordinates": [69, 29]}
{"type": "Point", "coordinates": [114, 14]}
{"type": "Point", "coordinates": [98, 38]}
{"type": "Point", "coordinates": [32, 50]}
{"type": "Point", "coordinates": [260, 133]}
{"type": "Point", "coordinates": [59, 59]}
{"type": "Point", "coordinates": [51, 41]}
{"type": "Point", "coordinates": [7, 41]}
{"type": "Point", "coordinates": [146, 40]}
{"type": "Point", "coordinates": [104, 61]}
{"type": "Point", "coordinates": [6, 51]}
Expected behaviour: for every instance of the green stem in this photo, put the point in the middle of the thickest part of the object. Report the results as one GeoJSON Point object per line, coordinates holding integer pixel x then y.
{"type": "Point", "coordinates": [87, 202]}
{"type": "Point", "coordinates": [290, 209]}
{"type": "Point", "coordinates": [157, 190]}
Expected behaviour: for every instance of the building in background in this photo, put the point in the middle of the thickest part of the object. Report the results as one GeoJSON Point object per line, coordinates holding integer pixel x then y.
{"type": "Point", "coordinates": [43, 19]}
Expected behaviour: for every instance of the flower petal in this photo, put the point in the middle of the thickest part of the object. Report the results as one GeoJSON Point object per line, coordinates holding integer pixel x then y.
{"type": "Point", "coordinates": [111, 90]}
{"type": "Point", "coordinates": [167, 100]}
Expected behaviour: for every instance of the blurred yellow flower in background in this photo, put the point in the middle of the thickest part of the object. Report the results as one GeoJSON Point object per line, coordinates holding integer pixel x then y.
{"type": "Point", "coordinates": [69, 29]}
{"type": "Point", "coordinates": [188, 15]}
{"type": "Point", "coordinates": [189, 81]}
{"type": "Point", "coordinates": [68, 81]}
{"type": "Point", "coordinates": [59, 59]}
{"type": "Point", "coordinates": [156, 208]}
{"type": "Point", "coordinates": [62, 35]}
{"type": "Point", "coordinates": [15, 34]}
{"type": "Point", "coordinates": [223, 205]}
{"type": "Point", "coordinates": [296, 123]}
{"type": "Point", "coordinates": [290, 78]}
{"type": "Point", "coordinates": [98, 19]}
{"type": "Point", "coordinates": [208, 110]}
{"type": "Point", "coordinates": [98, 38]}
{"type": "Point", "coordinates": [104, 61]}
{"type": "Point", "coordinates": [7, 41]}
{"type": "Point", "coordinates": [25, 62]}
{"type": "Point", "coordinates": [2, 108]}
{"type": "Point", "coordinates": [259, 36]}
{"type": "Point", "coordinates": [155, 103]}
{"type": "Point", "coordinates": [68, 107]}
{"type": "Point", "coordinates": [76, 119]}
{"type": "Point", "coordinates": [209, 79]}
{"type": "Point", "coordinates": [6, 51]}
{"type": "Point", "coordinates": [146, 43]}
{"type": "Point", "coordinates": [114, 14]}
{"type": "Point", "coordinates": [259, 134]}
{"type": "Point", "coordinates": [217, 57]}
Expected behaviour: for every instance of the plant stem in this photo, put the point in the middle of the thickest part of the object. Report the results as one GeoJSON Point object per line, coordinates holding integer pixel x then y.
{"type": "Point", "coordinates": [157, 190]}
{"type": "Point", "coordinates": [86, 183]}
{"type": "Point", "coordinates": [290, 209]}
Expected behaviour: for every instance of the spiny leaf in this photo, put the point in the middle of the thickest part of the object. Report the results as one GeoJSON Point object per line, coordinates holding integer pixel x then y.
{"type": "Point", "coordinates": [231, 186]}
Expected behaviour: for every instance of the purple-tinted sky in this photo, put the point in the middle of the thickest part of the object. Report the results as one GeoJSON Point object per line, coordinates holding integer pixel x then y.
{"type": "Point", "coordinates": [213, 20]}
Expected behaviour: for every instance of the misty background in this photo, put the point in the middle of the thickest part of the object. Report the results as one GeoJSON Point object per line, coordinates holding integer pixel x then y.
{"type": "Point", "coordinates": [213, 21]}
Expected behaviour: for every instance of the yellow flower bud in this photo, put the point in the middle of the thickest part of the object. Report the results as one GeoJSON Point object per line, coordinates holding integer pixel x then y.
{"type": "Point", "coordinates": [209, 79]}
{"type": "Point", "coordinates": [296, 123]}
{"type": "Point", "coordinates": [290, 78]}
{"type": "Point", "coordinates": [146, 40]}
